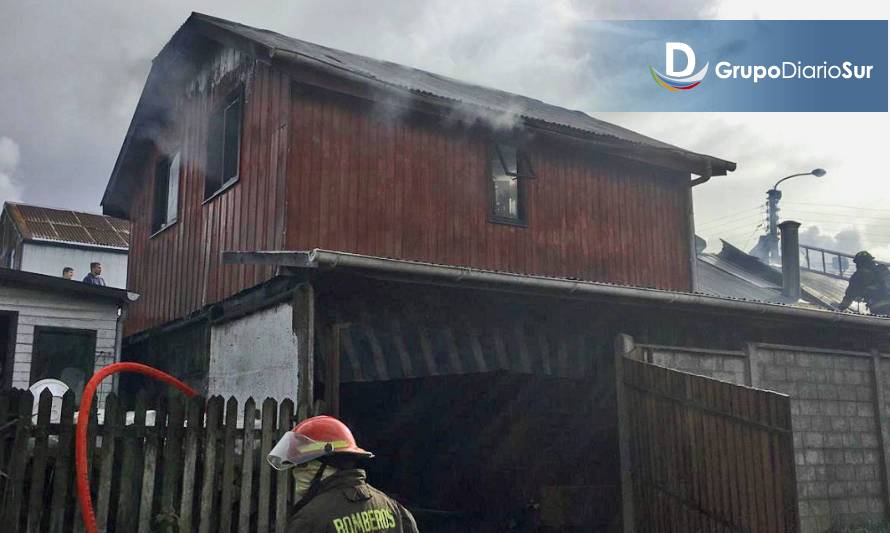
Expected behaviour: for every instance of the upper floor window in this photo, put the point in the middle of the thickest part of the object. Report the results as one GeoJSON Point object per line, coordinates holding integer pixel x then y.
{"type": "Point", "coordinates": [166, 193]}
{"type": "Point", "coordinates": [224, 145]}
{"type": "Point", "coordinates": [509, 167]}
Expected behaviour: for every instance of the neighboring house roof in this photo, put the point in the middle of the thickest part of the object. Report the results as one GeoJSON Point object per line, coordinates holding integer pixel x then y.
{"type": "Point", "coordinates": [55, 284]}
{"type": "Point", "coordinates": [736, 274]}
{"type": "Point", "coordinates": [45, 224]}
{"type": "Point", "coordinates": [468, 98]}
{"type": "Point", "coordinates": [717, 277]}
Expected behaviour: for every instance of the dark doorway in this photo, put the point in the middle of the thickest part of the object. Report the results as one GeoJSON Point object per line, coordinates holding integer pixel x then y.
{"type": "Point", "coordinates": [65, 354]}
{"type": "Point", "coordinates": [8, 320]}
{"type": "Point", "coordinates": [492, 452]}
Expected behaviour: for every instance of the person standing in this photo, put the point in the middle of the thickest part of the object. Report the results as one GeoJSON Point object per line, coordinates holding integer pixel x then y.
{"type": "Point", "coordinates": [68, 273]}
{"type": "Point", "coordinates": [333, 494]}
{"type": "Point", "coordinates": [94, 277]}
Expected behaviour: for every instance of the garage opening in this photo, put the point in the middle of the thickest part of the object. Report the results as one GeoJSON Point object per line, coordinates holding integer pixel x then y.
{"type": "Point", "coordinates": [492, 452]}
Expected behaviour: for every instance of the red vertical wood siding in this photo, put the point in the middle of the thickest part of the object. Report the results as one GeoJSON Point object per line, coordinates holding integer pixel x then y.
{"type": "Point", "coordinates": [410, 188]}
{"type": "Point", "coordinates": [319, 171]}
{"type": "Point", "coordinates": [178, 271]}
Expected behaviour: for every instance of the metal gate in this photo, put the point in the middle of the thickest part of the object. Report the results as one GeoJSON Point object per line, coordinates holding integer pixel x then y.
{"type": "Point", "coordinates": [699, 454]}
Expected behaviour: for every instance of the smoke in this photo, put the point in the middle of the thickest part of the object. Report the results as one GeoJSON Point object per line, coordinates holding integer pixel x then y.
{"type": "Point", "coordinates": [10, 189]}
{"type": "Point", "coordinates": [847, 240]}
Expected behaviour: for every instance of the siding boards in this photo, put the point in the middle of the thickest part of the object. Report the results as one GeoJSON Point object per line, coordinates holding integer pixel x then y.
{"type": "Point", "coordinates": [178, 270]}
{"type": "Point", "coordinates": [324, 171]}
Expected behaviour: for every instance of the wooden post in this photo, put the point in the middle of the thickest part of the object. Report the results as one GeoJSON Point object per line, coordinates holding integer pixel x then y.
{"type": "Point", "coordinates": [752, 370]}
{"type": "Point", "coordinates": [624, 345]}
{"type": "Point", "coordinates": [304, 329]}
{"type": "Point", "coordinates": [332, 382]}
{"type": "Point", "coordinates": [880, 417]}
{"type": "Point", "coordinates": [64, 462]}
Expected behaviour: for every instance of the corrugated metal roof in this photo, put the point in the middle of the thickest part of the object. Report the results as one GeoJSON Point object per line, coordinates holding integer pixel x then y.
{"type": "Point", "coordinates": [827, 288]}
{"type": "Point", "coordinates": [502, 103]}
{"type": "Point", "coordinates": [735, 274]}
{"type": "Point", "coordinates": [717, 280]}
{"type": "Point", "coordinates": [61, 225]}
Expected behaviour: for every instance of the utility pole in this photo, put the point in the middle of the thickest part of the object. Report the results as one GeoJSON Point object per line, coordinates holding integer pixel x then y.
{"type": "Point", "coordinates": [772, 208]}
{"type": "Point", "coordinates": [769, 246]}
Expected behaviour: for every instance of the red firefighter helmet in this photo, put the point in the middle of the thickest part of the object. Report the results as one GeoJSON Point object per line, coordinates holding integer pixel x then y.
{"type": "Point", "coordinates": [311, 439]}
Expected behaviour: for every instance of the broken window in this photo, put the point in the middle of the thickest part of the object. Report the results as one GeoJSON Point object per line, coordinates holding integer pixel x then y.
{"type": "Point", "coordinates": [166, 195]}
{"type": "Point", "coordinates": [224, 145]}
{"type": "Point", "coordinates": [509, 167]}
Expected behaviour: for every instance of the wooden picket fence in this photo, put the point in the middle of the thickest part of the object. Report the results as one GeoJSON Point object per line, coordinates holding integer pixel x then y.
{"type": "Point", "coordinates": [199, 466]}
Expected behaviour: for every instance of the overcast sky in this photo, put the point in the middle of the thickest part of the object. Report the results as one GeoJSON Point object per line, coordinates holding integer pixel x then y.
{"type": "Point", "coordinates": [71, 74]}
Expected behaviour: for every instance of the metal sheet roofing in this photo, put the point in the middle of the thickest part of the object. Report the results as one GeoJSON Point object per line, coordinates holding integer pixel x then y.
{"type": "Point", "coordinates": [502, 103]}
{"type": "Point", "coordinates": [65, 226]}
{"type": "Point", "coordinates": [715, 280]}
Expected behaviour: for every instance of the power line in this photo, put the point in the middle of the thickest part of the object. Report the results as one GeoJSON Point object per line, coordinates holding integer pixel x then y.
{"type": "Point", "coordinates": [732, 226]}
{"type": "Point", "coordinates": [743, 211]}
{"type": "Point", "coordinates": [845, 216]}
{"type": "Point", "coordinates": [839, 206]}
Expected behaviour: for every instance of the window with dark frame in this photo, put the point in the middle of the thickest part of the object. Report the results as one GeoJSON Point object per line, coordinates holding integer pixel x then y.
{"type": "Point", "coordinates": [509, 167]}
{"type": "Point", "coordinates": [224, 145]}
{"type": "Point", "coordinates": [166, 195]}
{"type": "Point", "coordinates": [65, 354]}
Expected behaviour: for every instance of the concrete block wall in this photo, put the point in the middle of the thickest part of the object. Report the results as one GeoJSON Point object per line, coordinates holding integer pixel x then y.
{"type": "Point", "coordinates": [725, 366]}
{"type": "Point", "coordinates": [836, 443]}
{"type": "Point", "coordinates": [836, 408]}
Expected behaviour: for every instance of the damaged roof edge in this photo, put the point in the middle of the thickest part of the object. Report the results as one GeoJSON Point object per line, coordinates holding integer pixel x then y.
{"type": "Point", "coordinates": [266, 46]}
{"type": "Point", "coordinates": [318, 258]}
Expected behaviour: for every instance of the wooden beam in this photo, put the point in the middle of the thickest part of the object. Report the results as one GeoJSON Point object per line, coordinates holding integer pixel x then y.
{"type": "Point", "coordinates": [332, 381]}
{"type": "Point", "coordinates": [752, 371]}
{"type": "Point", "coordinates": [624, 347]}
{"type": "Point", "coordinates": [304, 328]}
{"type": "Point", "coordinates": [277, 258]}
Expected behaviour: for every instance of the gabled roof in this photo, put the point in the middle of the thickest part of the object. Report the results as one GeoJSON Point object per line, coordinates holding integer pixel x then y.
{"type": "Point", "coordinates": [439, 90]}
{"type": "Point", "coordinates": [45, 224]}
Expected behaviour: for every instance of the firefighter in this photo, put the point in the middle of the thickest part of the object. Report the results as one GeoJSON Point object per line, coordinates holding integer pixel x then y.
{"type": "Point", "coordinates": [333, 495]}
{"type": "Point", "coordinates": [870, 283]}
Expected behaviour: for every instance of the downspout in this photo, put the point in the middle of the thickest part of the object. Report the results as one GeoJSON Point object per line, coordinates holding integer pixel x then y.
{"type": "Point", "coordinates": [690, 217]}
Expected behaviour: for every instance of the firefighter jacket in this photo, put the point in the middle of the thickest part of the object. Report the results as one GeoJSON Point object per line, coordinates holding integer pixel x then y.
{"type": "Point", "coordinates": [871, 285]}
{"type": "Point", "coordinates": [345, 503]}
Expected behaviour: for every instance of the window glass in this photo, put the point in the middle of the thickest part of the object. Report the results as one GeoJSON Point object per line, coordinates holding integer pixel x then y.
{"type": "Point", "coordinates": [224, 145]}
{"type": "Point", "coordinates": [166, 194]}
{"type": "Point", "coordinates": [506, 188]}
{"type": "Point", "coordinates": [65, 354]}
{"type": "Point", "coordinates": [173, 189]}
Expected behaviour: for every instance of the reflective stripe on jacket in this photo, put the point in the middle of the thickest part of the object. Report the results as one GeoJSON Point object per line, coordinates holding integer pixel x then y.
{"type": "Point", "coordinates": [346, 503]}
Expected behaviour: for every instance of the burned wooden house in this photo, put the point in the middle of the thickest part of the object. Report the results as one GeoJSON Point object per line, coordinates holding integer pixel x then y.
{"type": "Point", "coordinates": [445, 266]}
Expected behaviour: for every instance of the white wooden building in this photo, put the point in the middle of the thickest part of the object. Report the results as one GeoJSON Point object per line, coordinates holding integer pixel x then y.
{"type": "Point", "coordinates": [51, 327]}
{"type": "Point", "coordinates": [46, 240]}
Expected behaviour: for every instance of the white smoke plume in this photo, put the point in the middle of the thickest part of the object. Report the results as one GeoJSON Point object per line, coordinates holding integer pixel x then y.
{"type": "Point", "coordinates": [10, 189]}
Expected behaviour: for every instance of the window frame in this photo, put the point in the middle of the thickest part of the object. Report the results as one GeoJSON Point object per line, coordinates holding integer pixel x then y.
{"type": "Point", "coordinates": [524, 171]}
{"type": "Point", "coordinates": [166, 161]}
{"type": "Point", "coordinates": [232, 97]}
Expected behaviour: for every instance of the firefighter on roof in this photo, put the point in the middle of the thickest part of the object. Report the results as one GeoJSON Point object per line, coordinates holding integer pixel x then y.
{"type": "Point", "coordinates": [870, 284]}
{"type": "Point", "coordinates": [333, 496]}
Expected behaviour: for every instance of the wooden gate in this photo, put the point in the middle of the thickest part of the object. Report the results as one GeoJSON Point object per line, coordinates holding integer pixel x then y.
{"type": "Point", "coordinates": [699, 454]}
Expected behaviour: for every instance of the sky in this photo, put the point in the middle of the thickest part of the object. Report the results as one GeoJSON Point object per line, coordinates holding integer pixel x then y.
{"type": "Point", "coordinates": [71, 74]}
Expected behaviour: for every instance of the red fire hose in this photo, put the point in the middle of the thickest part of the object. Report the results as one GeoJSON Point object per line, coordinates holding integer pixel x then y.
{"type": "Point", "coordinates": [83, 420]}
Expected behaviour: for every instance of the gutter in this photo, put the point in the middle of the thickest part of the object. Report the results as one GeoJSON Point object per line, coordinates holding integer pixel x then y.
{"type": "Point", "coordinates": [454, 275]}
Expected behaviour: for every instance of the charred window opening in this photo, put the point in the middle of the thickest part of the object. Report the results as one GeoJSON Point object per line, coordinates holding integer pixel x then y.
{"type": "Point", "coordinates": [509, 168]}
{"type": "Point", "coordinates": [166, 195]}
{"type": "Point", "coordinates": [224, 145]}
